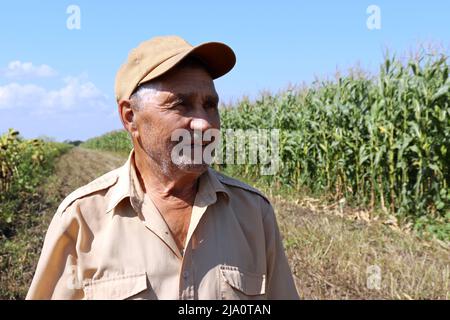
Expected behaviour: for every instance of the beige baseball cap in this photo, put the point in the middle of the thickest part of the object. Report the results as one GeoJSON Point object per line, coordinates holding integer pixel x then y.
{"type": "Point", "coordinates": [156, 56]}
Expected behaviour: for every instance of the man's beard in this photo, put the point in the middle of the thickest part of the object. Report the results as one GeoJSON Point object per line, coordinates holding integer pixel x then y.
{"type": "Point", "coordinates": [169, 163]}
{"type": "Point", "coordinates": [192, 160]}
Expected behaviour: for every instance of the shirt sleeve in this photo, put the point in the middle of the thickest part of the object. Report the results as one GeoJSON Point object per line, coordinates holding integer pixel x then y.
{"type": "Point", "coordinates": [56, 275]}
{"type": "Point", "coordinates": [280, 283]}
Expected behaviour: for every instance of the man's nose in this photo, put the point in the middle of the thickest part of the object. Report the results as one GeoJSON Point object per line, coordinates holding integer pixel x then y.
{"type": "Point", "coordinates": [200, 124]}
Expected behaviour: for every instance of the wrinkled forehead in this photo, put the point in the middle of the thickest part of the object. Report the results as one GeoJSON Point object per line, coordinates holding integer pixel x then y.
{"type": "Point", "coordinates": [185, 81]}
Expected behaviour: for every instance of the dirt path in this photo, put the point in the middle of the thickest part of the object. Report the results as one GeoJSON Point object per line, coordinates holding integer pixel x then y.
{"type": "Point", "coordinates": [80, 166]}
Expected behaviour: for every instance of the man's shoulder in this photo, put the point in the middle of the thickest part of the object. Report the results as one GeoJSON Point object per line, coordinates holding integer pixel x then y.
{"type": "Point", "coordinates": [239, 186]}
{"type": "Point", "coordinates": [101, 183]}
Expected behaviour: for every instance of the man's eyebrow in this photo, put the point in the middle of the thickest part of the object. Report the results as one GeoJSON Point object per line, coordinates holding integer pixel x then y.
{"type": "Point", "coordinates": [189, 96]}
{"type": "Point", "coordinates": [174, 98]}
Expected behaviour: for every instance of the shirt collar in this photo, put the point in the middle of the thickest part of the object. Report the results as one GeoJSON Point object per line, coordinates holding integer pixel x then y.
{"type": "Point", "coordinates": [128, 186]}
{"type": "Point", "coordinates": [121, 189]}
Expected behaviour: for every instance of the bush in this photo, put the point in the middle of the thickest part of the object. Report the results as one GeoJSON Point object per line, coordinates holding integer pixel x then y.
{"type": "Point", "coordinates": [24, 164]}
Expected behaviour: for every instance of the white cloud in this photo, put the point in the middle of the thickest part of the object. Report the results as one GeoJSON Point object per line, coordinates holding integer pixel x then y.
{"type": "Point", "coordinates": [26, 70]}
{"type": "Point", "coordinates": [77, 95]}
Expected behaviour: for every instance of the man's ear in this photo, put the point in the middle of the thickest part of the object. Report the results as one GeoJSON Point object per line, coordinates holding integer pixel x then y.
{"type": "Point", "coordinates": [127, 116]}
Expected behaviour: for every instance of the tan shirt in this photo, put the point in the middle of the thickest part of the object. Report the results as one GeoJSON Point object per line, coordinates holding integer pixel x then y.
{"type": "Point", "coordinates": [107, 240]}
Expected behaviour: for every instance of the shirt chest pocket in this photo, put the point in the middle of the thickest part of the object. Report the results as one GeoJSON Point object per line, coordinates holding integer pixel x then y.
{"type": "Point", "coordinates": [237, 284]}
{"type": "Point", "coordinates": [115, 287]}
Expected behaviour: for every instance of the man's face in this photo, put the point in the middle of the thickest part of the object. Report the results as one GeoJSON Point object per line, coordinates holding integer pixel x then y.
{"type": "Point", "coordinates": [186, 99]}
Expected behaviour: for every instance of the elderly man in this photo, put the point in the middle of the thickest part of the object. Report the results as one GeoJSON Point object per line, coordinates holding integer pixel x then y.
{"type": "Point", "coordinates": [158, 228]}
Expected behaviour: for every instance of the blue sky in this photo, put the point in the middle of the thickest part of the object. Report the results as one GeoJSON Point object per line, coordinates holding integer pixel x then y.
{"type": "Point", "coordinates": [59, 82]}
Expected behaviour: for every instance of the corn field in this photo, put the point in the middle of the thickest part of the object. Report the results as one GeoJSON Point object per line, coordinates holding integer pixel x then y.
{"type": "Point", "coordinates": [381, 142]}
{"type": "Point", "coordinates": [115, 141]}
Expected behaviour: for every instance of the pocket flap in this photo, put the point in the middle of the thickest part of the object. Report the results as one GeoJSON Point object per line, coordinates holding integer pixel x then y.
{"type": "Point", "coordinates": [115, 288]}
{"type": "Point", "coordinates": [246, 282]}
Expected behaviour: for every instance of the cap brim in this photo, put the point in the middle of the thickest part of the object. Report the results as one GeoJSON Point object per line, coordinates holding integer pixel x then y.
{"type": "Point", "coordinates": [217, 57]}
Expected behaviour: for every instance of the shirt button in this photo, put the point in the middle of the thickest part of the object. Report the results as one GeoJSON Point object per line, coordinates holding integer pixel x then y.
{"type": "Point", "coordinates": [185, 274]}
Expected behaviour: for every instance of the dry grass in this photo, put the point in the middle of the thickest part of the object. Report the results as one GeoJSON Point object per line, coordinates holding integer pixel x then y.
{"type": "Point", "coordinates": [329, 256]}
